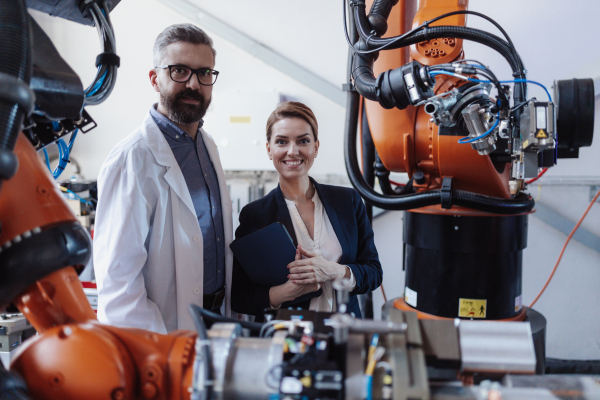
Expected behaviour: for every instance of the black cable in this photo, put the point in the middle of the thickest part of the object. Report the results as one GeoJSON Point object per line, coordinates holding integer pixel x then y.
{"type": "Point", "coordinates": [211, 316]}
{"type": "Point", "coordinates": [426, 24]}
{"type": "Point", "coordinates": [518, 106]}
{"type": "Point", "coordinates": [384, 47]}
{"type": "Point", "coordinates": [425, 32]}
{"type": "Point", "coordinates": [106, 74]}
{"type": "Point", "coordinates": [12, 386]}
{"type": "Point", "coordinates": [497, 25]}
{"type": "Point", "coordinates": [206, 351]}
{"type": "Point", "coordinates": [368, 155]}
{"type": "Point", "coordinates": [395, 39]}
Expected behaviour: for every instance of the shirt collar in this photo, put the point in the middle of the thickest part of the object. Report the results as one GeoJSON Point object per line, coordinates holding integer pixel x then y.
{"type": "Point", "coordinates": [168, 127]}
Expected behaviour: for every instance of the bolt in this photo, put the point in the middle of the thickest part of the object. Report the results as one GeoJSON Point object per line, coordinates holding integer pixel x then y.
{"type": "Point", "coordinates": [118, 394]}
{"type": "Point", "coordinates": [149, 390]}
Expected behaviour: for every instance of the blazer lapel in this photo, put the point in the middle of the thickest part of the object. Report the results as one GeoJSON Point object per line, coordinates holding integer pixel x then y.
{"type": "Point", "coordinates": [284, 215]}
{"type": "Point", "coordinates": [333, 218]}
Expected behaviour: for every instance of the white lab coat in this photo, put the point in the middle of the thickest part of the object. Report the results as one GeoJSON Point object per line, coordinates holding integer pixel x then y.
{"type": "Point", "coordinates": [148, 255]}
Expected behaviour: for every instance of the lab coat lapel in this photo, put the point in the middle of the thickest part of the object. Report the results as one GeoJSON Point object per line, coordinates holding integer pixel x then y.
{"type": "Point", "coordinates": [226, 211]}
{"type": "Point", "coordinates": [284, 215]}
{"type": "Point", "coordinates": [333, 218]}
{"type": "Point", "coordinates": [164, 156]}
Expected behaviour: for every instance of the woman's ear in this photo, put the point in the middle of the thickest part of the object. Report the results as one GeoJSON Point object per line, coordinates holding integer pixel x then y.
{"type": "Point", "coordinates": [269, 151]}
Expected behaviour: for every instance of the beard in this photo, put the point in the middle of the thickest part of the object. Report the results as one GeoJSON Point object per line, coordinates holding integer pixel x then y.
{"type": "Point", "coordinates": [185, 113]}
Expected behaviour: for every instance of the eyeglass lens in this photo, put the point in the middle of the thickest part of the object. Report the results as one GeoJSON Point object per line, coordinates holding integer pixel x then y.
{"type": "Point", "coordinates": [182, 74]}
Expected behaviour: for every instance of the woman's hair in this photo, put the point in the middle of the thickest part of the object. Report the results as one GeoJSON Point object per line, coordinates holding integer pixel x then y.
{"type": "Point", "coordinates": [292, 109]}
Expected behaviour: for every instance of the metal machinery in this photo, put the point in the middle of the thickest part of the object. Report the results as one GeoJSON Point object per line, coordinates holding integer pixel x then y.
{"type": "Point", "coordinates": [467, 141]}
{"type": "Point", "coordinates": [299, 354]}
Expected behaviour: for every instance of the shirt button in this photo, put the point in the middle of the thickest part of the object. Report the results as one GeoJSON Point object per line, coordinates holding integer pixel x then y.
{"type": "Point", "coordinates": [196, 238]}
{"type": "Point", "coordinates": [176, 136]}
{"type": "Point", "coordinates": [218, 239]}
{"type": "Point", "coordinates": [196, 291]}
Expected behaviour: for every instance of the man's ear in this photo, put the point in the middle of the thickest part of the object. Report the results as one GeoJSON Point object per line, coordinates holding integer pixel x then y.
{"type": "Point", "coordinates": [154, 79]}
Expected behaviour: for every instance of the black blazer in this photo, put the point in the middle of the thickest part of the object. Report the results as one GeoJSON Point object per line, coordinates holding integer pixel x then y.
{"type": "Point", "coordinates": [348, 217]}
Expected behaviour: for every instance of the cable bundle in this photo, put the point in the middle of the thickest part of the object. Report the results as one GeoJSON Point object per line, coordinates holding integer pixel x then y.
{"type": "Point", "coordinates": [64, 153]}
{"type": "Point", "coordinates": [108, 61]}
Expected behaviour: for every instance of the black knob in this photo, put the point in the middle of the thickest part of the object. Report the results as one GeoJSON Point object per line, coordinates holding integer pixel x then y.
{"type": "Point", "coordinates": [419, 177]}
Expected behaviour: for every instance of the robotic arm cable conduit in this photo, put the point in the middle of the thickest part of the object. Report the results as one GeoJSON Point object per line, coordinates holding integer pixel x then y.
{"type": "Point", "coordinates": [517, 142]}
{"type": "Point", "coordinates": [15, 62]}
{"type": "Point", "coordinates": [364, 58]}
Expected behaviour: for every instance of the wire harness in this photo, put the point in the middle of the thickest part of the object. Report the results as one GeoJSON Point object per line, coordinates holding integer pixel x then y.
{"type": "Point", "coordinates": [108, 61]}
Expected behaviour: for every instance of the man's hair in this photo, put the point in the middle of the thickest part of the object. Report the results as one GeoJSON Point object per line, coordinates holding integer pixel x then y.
{"type": "Point", "coordinates": [292, 109]}
{"type": "Point", "coordinates": [187, 33]}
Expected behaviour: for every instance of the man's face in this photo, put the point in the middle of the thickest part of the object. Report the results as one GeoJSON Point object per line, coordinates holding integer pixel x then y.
{"type": "Point", "coordinates": [183, 103]}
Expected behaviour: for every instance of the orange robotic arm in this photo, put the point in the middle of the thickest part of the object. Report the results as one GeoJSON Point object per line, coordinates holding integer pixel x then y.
{"type": "Point", "coordinates": [467, 152]}
{"type": "Point", "coordinates": [75, 357]}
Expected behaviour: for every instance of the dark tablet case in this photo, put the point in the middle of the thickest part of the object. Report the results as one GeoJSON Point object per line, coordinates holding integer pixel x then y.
{"type": "Point", "coordinates": [265, 254]}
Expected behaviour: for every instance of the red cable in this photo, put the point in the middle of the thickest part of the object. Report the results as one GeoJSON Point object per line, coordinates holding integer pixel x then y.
{"type": "Point", "coordinates": [538, 177]}
{"type": "Point", "coordinates": [397, 183]}
{"type": "Point", "coordinates": [564, 247]}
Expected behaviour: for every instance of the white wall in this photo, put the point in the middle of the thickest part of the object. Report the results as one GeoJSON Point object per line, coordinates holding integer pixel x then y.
{"type": "Point", "coordinates": [137, 23]}
{"type": "Point", "coordinates": [555, 40]}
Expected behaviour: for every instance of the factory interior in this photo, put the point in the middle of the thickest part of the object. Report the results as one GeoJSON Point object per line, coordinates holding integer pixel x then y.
{"type": "Point", "coordinates": [471, 154]}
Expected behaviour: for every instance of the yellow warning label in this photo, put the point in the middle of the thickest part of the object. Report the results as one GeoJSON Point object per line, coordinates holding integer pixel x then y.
{"type": "Point", "coordinates": [541, 134]}
{"type": "Point", "coordinates": [306, 381]}
{"type": "Point", "coordinates": [240, 119]}
{"type": "Point", "coordinates": [472, 308]}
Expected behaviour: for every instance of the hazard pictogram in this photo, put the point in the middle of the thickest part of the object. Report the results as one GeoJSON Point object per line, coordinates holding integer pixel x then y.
{"type": "Point", "coordinates": [541, 134]}
{"type": "Point", "coordinates": [472, 308]}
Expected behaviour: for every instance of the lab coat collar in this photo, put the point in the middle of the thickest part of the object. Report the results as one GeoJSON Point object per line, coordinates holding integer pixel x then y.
{"type": "Point", "coordinates": [164, 156]}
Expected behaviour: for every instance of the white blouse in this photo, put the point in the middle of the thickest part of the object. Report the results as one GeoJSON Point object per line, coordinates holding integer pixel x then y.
{"type": "Point", "coordinates": [325, 243]}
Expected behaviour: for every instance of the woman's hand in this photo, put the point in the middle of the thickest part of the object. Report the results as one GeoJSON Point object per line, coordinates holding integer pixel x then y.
{"type": "Point", "coordinates": [315, 269]}
{"type": "Point", "coordinates": [290, 290]}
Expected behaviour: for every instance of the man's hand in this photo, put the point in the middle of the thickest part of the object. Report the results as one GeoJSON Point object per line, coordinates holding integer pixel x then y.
{"type": "Point", "coordinates": [315, 269]}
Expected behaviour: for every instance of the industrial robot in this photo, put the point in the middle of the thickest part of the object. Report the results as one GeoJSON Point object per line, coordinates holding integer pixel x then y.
{"type": "Point", "coordinates": [468, 143]}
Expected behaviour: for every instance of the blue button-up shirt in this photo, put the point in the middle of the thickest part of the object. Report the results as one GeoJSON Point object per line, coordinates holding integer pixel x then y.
{"type": "Point", "coordinates": [201, 179]}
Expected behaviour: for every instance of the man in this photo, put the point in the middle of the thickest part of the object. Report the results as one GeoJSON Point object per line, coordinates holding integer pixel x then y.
{"type": "Point", "coordinates": [164, 220]}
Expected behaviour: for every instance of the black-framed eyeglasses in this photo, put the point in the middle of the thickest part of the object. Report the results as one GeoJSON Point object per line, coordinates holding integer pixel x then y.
{"type": "Point", "coordinates": [182, 74]}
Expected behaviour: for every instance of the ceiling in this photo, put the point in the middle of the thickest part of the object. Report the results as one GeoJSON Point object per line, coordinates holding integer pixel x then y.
{"type": "Point", "coordinates": [556, 39]}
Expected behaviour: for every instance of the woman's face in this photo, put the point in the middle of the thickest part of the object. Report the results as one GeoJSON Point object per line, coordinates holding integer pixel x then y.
{"type": "Point", "coordinates": [292, 147]}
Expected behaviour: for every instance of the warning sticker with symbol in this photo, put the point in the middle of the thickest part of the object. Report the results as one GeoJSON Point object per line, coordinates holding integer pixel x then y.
{"type": "Point", "coordinates": [472, 308]}
{"type": "Point", "coordinates": [541, 134]}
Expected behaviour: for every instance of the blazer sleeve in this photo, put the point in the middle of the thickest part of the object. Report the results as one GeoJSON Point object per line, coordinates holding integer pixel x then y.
{"type": "Point", "coordinates": [366, 268]}
{"type": "Point", "coordinates": [246, 296]}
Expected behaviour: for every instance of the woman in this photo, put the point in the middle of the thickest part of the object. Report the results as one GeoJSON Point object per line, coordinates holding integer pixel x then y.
{"type": "Point", "coordinates": [328, 224]}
